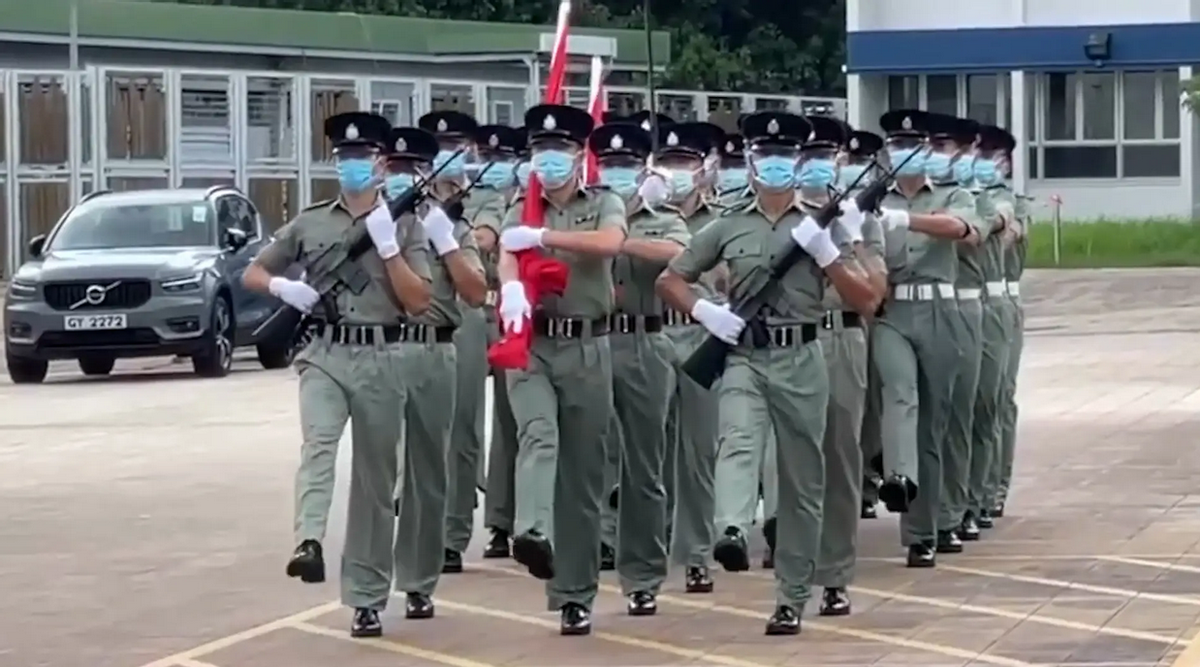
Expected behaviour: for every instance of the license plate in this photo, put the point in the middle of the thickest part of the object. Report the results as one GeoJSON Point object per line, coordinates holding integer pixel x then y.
{"type": "Point", "coordinates": [94, 322]}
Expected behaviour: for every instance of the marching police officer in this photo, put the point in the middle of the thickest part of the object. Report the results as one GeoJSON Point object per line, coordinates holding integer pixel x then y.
{"type": "Point", "coordinates": [915, 335]}
{"type": "Point", "coordinates": [505, 147]}
{"type": "Point", "coordinates": [784, 383]}
{"type": "Point", "coordinates": [358, 366]}
{"type": "Point", "coordinates": [458, 284]}
{"type": "Point", "coordinates": [733, 181]}
{"type": "Point", "coordinates": [562, 403]}
{"type": "Point", "coordinates": [643, 376]}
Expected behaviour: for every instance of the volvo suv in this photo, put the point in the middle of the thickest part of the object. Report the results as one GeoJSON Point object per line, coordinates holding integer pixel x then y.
{"type": "Point", "coordinates": [140, 274]}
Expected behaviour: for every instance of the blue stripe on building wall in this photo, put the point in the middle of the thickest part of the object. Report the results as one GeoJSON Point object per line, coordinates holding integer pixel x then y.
{"type": "Point", "coordinates": [1033, 48]}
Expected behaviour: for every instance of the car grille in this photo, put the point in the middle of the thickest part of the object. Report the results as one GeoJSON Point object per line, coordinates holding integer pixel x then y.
{"type": "Point", "coordinates": [125, 294]}
{"type": "Point", "coordinates": [124, 338]}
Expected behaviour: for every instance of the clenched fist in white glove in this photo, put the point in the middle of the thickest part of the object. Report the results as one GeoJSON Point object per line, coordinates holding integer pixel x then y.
{"type": "Point", "coordinates": [816, 242]}
{"type": "Point", "coordinates": [439, 228]}
{"type": "Point", "coordinates": [514, 306]}
{"type": "Point", "coordinates": [294, 293]}
{"type": "Point", "coordinates": [894, 218]}
{"type": "Point", "coordinates": [851, 220]}
{"type": "Point", "coordinates": [382, 230]}
{"type": "Point", "coordinates": [719, 320]}
{"type": "Point", "coordinates": [654, 191]}
{"type": "Point", "coordinates": [516, 239]}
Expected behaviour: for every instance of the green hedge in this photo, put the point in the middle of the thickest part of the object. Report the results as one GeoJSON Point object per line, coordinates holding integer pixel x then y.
{"type": "Point", "coordinates": [1151, 242]}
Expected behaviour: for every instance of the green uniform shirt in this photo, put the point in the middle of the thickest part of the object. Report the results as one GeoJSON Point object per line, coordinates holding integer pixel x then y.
{"type": "Point", "coordinates": [991, 203]}
{"type": "Point", "coordinates": [708, 285]}
{"type": "Point", "coordinates": [916, 258]}
{"type": "Point", "coordinates": [635, 276]}
{"type": "Point", "coordinates": [326, 223]}
{"type": "Point", "coordinates": [747, 241]}
{"type": "Point", "coordinates": [1014, 255]}
{"type": "Point", "coordinates": [445, 308]}
{"type": "Point", "coordinates": [589, 293]}
{"type": "Point", "coordinates": [485, 208]}
{"type": "Point", "coordinates": [873, 240]}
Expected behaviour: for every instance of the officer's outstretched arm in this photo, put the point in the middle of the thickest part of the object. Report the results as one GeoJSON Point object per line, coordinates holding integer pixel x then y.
{"type": "Point", "coordinates": [605, 241]}
{"type": "Point", "coordinates": [408, 273]}
{"type": "Point", "coordinates": [273, 260]}
{"type": "Point", "coordinates": [702, 254]}
{"type": "Point", "coordinates": [854, 285]}
{"type": "Point", "coordinates": [665, 238]}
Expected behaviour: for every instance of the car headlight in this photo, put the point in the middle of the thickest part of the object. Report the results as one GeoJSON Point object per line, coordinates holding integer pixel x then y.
{"type": "Point", "coordinates": [186, 284]}
{"type": "Point", "coordinates": [21, 290]}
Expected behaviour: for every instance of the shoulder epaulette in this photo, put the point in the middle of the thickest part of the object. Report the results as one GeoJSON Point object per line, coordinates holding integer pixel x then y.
{"type": "Point", "coordinates": [318, 204]}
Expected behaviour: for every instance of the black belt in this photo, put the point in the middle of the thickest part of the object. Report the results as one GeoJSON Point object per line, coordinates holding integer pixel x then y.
{"type": "Point", "coordinates": [785, 335]}
{"type": "Point", "coordinates": [569, 328]}
{"type": "Point", "coordinates": [624, 323]}
{"type": "Point", "coordinates": [674, 318]}
{"type": "Point", "coordinates": [849, 319]}
{"type": "Point", "coordinates": [349, 334]}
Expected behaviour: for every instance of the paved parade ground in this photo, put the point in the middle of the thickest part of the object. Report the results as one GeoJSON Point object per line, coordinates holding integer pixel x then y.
{"type": "Point", "coordinates": [145, 520]}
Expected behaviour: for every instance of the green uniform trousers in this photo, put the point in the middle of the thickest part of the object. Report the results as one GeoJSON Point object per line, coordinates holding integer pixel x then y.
{"type": "Point", "coordinates": [429, 420]}
{"type": "Point", "coordinates": [872, 440]}
{"type": "Point", "coordinates": [985, 447]}
{"type": "Point", "coordinates": [956, 456]}
{"type": "Point", "coordinates": [612, 476]}
{"type": "Point", "coordinates": [499, 502]}
{"type": "Point", "coordinates": [369, 386]}
{"type": "Point", "coordinates": [786, 389]}
{"type": "Point", "coordinates": [466, 438]}
{"type": "Point", "coordinates": [917, 360]}
{"type": "Point", "coordinates": [1008, 404]}
{"type": "Point", "coordinates": [643, 381]}
{"type": "Point", "coordinates": [562, 405]}
{"type": "Point", "coordinates": [692, 426]}
{"type": "Point", "coordinates": [846, 358]}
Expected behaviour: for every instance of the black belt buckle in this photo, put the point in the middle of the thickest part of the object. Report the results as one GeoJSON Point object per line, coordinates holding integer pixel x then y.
{"type": "Point", "coordinates": [782, 336]}
{"type": "Point", "coordinates": [827, 319]}
{"type": "Point", "coordinates": [565, 327]}
{"type": "Point", "coordinates": [624, 323]}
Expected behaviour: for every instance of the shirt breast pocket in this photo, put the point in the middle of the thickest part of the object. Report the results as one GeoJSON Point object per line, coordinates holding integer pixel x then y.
{"type": "Point", "coordinates": [745, 257]}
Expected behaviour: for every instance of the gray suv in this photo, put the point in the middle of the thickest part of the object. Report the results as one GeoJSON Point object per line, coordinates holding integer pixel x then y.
{"type": "Point", "coordinates": [139, 274]}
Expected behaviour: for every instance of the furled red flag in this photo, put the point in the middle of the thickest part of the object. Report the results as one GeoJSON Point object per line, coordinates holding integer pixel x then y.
{"type": "Point", "coordinates": [539, 274]}
{"type": "Point", "coordinates": [597, 105]}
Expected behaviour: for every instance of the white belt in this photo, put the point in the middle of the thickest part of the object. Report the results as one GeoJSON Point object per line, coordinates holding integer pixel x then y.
{"type": "Point", "coordinates": [1014, 289]}
{"type": "Point", "coordinates": [491, 299]}
{"type": "Point", "coordinates": [923, 292]}
{"type": "Point", "coordinates": [969, 293]}
{"type": "Point", "coordinates": [996, 288]}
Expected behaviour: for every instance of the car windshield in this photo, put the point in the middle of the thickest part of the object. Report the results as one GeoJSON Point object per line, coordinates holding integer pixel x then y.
{"type": "Point", "coordinates": [96, 226]}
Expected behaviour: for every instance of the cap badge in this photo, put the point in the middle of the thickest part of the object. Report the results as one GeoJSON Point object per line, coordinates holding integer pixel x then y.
{"type": "Point", "coordinates": [773, 127]}
{"type": "Point", "coordinates": [854, 143]}
{"type": "Point", "coordinates": [401, 146]}
{"type": "Point", "coordinates": [728, 146]}
{"type": "Point", "coordinates": [442, 126]}
{"type": "Point", "coordinates": [812, 135]}
{"type": "Point", "coordinates": [494, 141]}
{"type": "Point", "coordinates": [617, 143]}
{"type": "Point", "coordinates": [646, 125]}
{"type": "Point", "coordinates": [672, 139]}
{"type": "Point", "coordinates": [549, 123]}
{"type": "Point", "coordinates": [906, 124]}
{"type": "Point", "coordinates": [351, 132]}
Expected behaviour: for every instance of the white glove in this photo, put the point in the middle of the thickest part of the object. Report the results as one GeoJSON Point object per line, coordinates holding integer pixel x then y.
{"type": "Point", "coordinates": [439, 228]}
{"type": "Point", "coordinates": [382, 230]}
{"type": "Point", "coordinates": [516, 239]}
{"type": "Point", "coordinates": [514, 307]}
{"type": "Point", "coordinates": [851, 220]}
{"type": "Point", "coordinates": [294, 293]}
{"type": "Point", "coordinates": [816, 241]}
{"type": "Point", "coordinates": [894, 218]}
{"type": "Point", "coordinates": [654, 191]}
{"type": "Point", "coordinates": [719, 320]}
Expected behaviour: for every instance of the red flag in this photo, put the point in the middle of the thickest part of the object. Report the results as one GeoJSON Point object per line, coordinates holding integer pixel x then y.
{"type": "Point", "coordinates": [597, 105]}
{"type": "Point", "coordinates": [539, 274]}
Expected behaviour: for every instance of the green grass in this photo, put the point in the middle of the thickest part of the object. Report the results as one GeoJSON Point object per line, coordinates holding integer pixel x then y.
{"type": "Point", "coordinates": [1155, 242]}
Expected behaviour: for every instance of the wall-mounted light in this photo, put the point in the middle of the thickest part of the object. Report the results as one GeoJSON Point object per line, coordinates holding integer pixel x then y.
{"type": "Point", "coordinates": [1098, 47]}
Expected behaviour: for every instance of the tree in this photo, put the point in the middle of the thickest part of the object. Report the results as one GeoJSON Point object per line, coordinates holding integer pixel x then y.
{"type": "Point", "coordinates": [770, 46]}
{"type": "Point", "coordinates": [1189, 94]}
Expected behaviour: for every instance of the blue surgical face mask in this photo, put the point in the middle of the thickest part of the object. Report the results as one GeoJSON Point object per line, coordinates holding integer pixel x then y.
{"type": "Point", "coordinates": [554, 168]}
{"type": "Point", "coordinates": [849, 173]}
{"type": "Point", "coordinates": [497, 175]}
{"type": "Point", "coordinates": [987, 172]}
{"type": "Point", "coordinates": [816, 174]}
{"type": "Point", "coordinates": [937, 166]}
{"type": "Point", "coordinates": [732, 179]}
{"type": "Point", "coordinates": [621, 180]}
{"type": "Point", "coordinates": [683, 183]}
{"type": "Point", "coordinates": [455, 165]}
{"type": "Point", "coordinates": [356, 174]}
{"type": "Point", "coordinates": [964, 169]}
{"type": "Point", "coordinates": [398, 184]}
{"type": "Point", "coordinates": [523, 171]}
{"type": "Point", "coordinates": [776, 172]}
{"type": "Point", "coordinates": [911, 167]}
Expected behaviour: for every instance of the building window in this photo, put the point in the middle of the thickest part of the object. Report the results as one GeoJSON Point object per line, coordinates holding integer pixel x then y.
{"type": "Point", "coordinates": [981, 98]}
{"type": "Point", "coordinates": [1104, 125]}
{"type": "Point", "coordinates": [941, 94]}
{"type": "Point", "coordinates": [904, 92]}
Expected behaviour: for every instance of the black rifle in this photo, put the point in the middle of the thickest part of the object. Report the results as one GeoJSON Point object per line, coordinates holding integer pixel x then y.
{"type": "Point", "coordinates": [336, 269]}
{"type": "Point", "coordinates": [707, 363]}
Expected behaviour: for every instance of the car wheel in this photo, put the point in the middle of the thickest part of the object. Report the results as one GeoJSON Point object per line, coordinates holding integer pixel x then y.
{"type": "Point", "coordinates": [26, 371]}
{"type": "Point", "coordinates": [96, 364]}
{"type": "Point", "coordinates": [217, 357]}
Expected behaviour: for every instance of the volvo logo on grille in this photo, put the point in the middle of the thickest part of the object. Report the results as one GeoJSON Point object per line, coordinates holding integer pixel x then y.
{"type": "Point", "coordinates": [94, 295]}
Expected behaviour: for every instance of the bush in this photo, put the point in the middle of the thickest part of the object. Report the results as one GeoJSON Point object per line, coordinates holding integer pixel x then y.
{"type": "Point", "coordinates": [1155, 242]}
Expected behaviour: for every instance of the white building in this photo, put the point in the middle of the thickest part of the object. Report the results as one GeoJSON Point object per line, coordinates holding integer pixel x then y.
{"type": "Point", "coordinates": [1090, 88]}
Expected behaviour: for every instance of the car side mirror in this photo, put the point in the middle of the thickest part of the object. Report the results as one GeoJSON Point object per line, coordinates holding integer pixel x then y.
{"type": "Point", "coordinates": [36, 244]}
{"type": "Point", "coordinates": [236, 238]}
